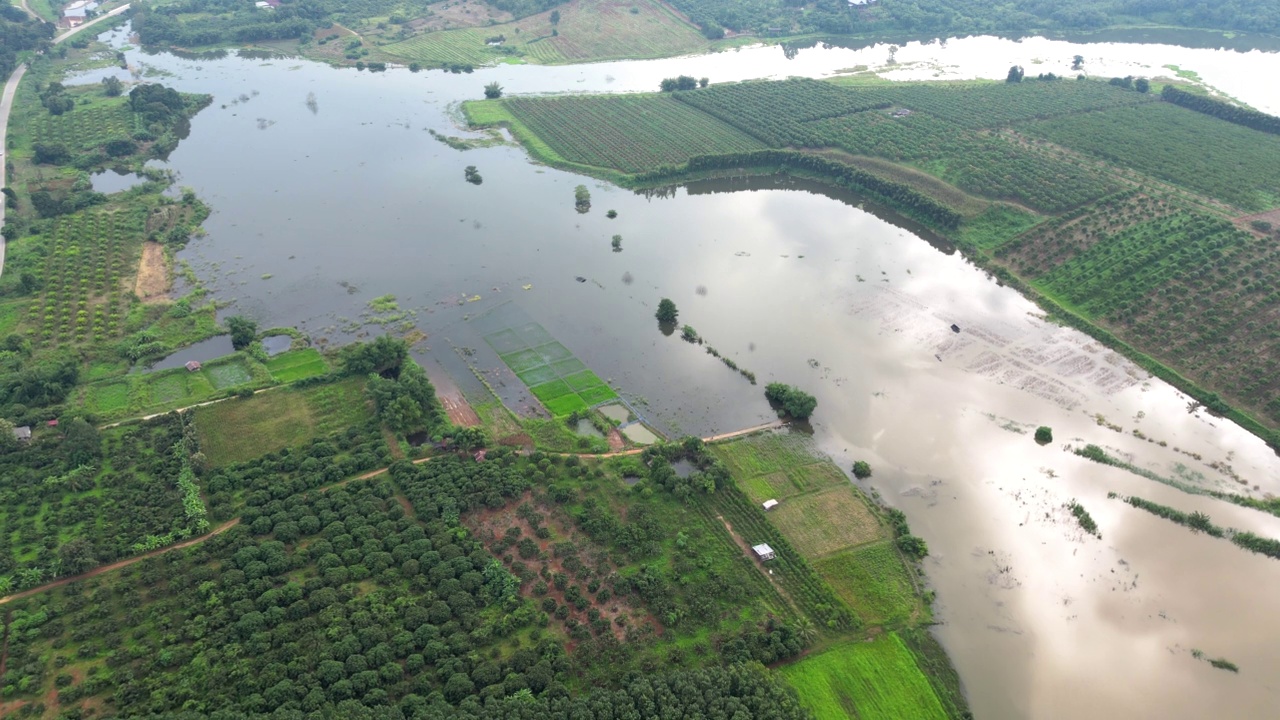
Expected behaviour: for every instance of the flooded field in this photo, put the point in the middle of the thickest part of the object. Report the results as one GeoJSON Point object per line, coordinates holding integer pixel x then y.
{"type": "Point", "coordinates": [320, 208]}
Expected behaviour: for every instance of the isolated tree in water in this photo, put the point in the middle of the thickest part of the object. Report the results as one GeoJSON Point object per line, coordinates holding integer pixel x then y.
{"type": "Point", "coordinates": [243, 331]}
{"type": "Point", "coordinates": [667, 312]}
{"type": "Point", "coordinates": [493, 90]}
{"type": "Point", "coordinates": [1015, 74]}
{"type": "Point", "coordinates": [1077, 62]}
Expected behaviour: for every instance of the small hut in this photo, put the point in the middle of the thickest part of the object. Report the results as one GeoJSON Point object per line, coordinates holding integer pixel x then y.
{"type": "Point", "coordinates": [23, 434]}
{"type": "Point", "coordinates": [763, 551]}
{"type": "Point", "coordinates": [769, 505]}
{"type": "Point", "coordinates": [192, 365]}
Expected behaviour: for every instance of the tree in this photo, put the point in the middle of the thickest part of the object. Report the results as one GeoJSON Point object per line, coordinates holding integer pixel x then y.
{"type": "Point", "coordinates": [913, 547]}
{"type": "Point", "coordinates": [862, 469]}
{"type": "Point", "coordinates": [1015, 74]}
{"type": "Point", "coordinates": [1044, 435]}
{"type": "Point", "coordinates": [243, 331]}
{"type": "Point", "coordinates": [112, 86]}
{"type": "Point", "coordinates": [472, 175]}
{"type": "Point", "coordinates": [493, 90]}
{"type": "Point", "coordinates": [1077, 62]}
{"type": "Point", "coordinates": [667, 312]}
{"type": "Point", "coordinates": [791, 401]}
{"type": "Point", "coordinates": [1142, 85]}
{"type": "Point", "coordinates": [581, 198]}
{"type": "Point", "coordinates": [686, 82]}
{"type": "Point", "coordinates": [703, 82]}
{"type": "Point", "coordinates": [555, 17]}
{"type": "Point", "coordinates": [8, 441]}
{"type": "Point", "coordinates": [617, 243]}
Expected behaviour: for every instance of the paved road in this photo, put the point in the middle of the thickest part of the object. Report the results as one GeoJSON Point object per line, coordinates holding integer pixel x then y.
{"type": "Point", "coordinates": [6, 104]}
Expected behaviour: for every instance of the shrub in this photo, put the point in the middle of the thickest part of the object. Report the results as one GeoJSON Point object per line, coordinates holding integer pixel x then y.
{"type": "Point", "coordinates": [862, 469]}
{"type": "Point", "coordinates": [1044, 435]}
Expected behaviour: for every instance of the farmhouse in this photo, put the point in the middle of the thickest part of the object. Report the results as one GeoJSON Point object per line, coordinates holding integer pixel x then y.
{"type": "Point", "coordinates": [763, 551]}
{"type": "Point", "coordinates": [76, 13]}
{"type": "Point", "coordinates": [23, 433]}
{"type": "Point", "coordinates": [192, 365]}
{"type": "Point", "coordinates": [769, 505]}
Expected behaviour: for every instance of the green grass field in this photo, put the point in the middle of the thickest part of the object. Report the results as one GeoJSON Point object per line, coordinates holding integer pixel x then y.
{"type": "Point", "coordinates": [873, 582]}
{"type": "Point", "coordinates": [241, 429]}
{"type": "Point", "coordinates": [825, 522]}
{"type": "Point", "coordinates": [296, 365]}
{"type": "Point", "coordinates": [146, 393]}
{"type": "Point", "coordinates": [1169, 142]}
{"type": "Point", "coordinates": [877, 680]}
{"type": "Point", "coordinates": [632, 133]}
{"type": "Point", "coordinates": [560, 381]}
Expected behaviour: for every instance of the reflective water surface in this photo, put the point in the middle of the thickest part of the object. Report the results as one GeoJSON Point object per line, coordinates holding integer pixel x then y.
{"type": "Point", "coordinates": [346, 197]}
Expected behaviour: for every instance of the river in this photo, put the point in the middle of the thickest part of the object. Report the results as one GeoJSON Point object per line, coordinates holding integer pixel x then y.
{"type": "Point", "coordinates": [320, 206]}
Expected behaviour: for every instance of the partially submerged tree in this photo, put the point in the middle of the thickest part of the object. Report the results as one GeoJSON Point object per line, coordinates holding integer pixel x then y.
{"type": "Point", "coordinates": [792, 401]}
{"type": "Point", "coordinates": [862, 469]}
{"type": "Point", "coordinates": [243, 331]}
{"type": "Point", "coordinates": [493, 90]}
{"type": "Point", "coordinates": [1044, 434]}
{"type": "Point", "coordinates": [667, 312]}
{"type": "Point", "coordinates": [581, 199]}
{"type": "Point", "coordinates": [1015, 74]}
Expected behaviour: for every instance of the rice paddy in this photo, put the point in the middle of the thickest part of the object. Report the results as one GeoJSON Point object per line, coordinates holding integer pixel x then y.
{"type": "Point", "coordinates": [560, 381]}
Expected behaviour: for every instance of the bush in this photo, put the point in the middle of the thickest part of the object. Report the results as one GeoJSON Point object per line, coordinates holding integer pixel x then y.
{"type": "Point", "coordinates": [862, 469]}
{"type": "Point", "coordinates": [791, 401]}
{"type": "Point", "coordinates": [1044, 435]}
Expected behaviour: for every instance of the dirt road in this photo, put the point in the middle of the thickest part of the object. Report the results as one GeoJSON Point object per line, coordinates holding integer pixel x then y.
{"type": "Point", "coordinates": [120, 563]}
{"type": "Point", "coordinates": [6, 105]}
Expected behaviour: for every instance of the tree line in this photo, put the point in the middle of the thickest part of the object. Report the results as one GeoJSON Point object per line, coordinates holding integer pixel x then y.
{"type": "Point", "coordinates": [1222, 110]}
{"type": "Point", "coordinates": [902, 197]}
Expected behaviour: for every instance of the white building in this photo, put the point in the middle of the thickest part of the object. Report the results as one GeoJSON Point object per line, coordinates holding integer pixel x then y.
{"type": "Point", "coordinates": [763, 551]}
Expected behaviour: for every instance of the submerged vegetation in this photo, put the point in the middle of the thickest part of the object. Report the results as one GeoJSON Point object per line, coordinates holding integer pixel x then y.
{"type": "Point", "coordinates": [791, 401]}
{"type": "Point", "coordinates": [1091, 196]}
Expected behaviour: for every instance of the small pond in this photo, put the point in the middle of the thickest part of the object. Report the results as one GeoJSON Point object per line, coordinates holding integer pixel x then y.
{"type": "Point", "coordinates": [276, 344]}
{"type": "Point", "coordinates": [203, 351]}
{"type": "Point", "coordinates": [684, 468]}
{"type": "Point", "coordinates": [617, 413]}
{"type": "Point", "coordinates": [639, 434]}
{"type": "Point", "coordinates": [114, 181]}
{"type": "Point", "coordinates": [586, 429]}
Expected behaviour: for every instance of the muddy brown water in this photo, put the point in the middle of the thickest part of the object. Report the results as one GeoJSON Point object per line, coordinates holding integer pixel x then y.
{"type": "Point", "coordinates": [355, 199]}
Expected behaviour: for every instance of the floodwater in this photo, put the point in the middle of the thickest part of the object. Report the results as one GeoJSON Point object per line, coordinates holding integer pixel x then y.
{"type": "Point", "coordinates": [203, 351]}
{"type": "Point", "coordinates": [113, 181]}
{"type": "Point", "coordinates": [321, 205]}
{"type": "Point", "coordinates": [276, 344]}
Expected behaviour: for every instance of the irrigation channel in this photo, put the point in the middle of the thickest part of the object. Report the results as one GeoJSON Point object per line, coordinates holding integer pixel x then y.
{"type": "Point", "coordinates": [318, 208]}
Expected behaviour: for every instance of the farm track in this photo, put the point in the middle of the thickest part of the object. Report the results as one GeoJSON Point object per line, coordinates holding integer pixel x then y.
{"type": "Point", "coordinates": [365, 476]}
{"type": "Point", "coordinates": [746, 550]}
{"type": "Point", "coordinates": [6, 105]}
{"type": "Point", "coordinates": [120, 563]}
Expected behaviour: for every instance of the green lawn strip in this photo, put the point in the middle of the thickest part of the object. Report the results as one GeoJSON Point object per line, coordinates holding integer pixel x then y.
{"type": "Point", "coordinates": [538, 375]}
{"type": "Point", "coordinates": [551, 390]}
{"type": "Point", "coordinates": [297, 364]}
{"type": "Point", "coordinates": [565, 405]}
{"type": "Point", "coordinates": [522, 360]}
{"type": "Point", "coordinates": [504, 342]}
{"type": "Point", "coordinates": [873, 581]}
{"type": "Point", "coordinates": [567, 367]}
{"type": "Point", "coordinates": [877, 680]}
{"type": "Point", "coordinates": [553, 352]}
{"type": "Point", "coordinates": [584, 380]}
{"type": "Point", "coordinates": [596, 395]}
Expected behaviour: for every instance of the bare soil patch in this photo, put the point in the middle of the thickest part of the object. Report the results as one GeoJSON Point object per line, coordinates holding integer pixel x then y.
{"type": "Point", "coordinates": [153, 282]}
{"type": "Point", "coordinates": [461, 14]}
{"type": "Point", "coordinates": [1270, 216]}
{"type": "Point", "coordinates": [459, 410]}
{"type": "Point", "coordinates": [567, 553]}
